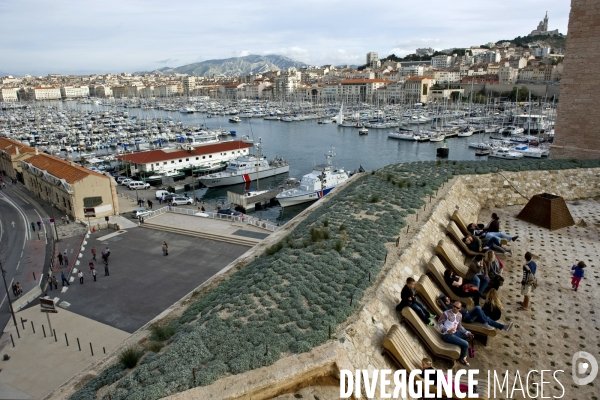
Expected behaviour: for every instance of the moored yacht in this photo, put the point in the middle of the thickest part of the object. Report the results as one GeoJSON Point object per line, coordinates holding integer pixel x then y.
{"type": "Point", "coordinates": [505, 153]}
{"type": "Point", "coordinates": [322, 180]}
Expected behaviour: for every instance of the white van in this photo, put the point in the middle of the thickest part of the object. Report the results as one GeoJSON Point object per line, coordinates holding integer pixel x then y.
{"type": "Point", "coordinates": [161, 193]}
{"type": "Point", "coordinates": [138, 185]}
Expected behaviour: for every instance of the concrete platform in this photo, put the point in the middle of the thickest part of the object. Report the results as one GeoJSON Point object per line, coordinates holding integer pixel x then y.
{"type": "Point", "coordinates": [39, 364]}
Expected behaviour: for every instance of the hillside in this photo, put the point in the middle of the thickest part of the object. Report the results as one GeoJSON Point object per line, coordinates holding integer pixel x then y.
{"type": "Point", "coordinates": [554, 42]}
{"type": "Point", "coordinates": [235, 66]}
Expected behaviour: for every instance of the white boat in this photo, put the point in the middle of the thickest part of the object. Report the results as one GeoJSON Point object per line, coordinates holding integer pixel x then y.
{"type": "Point", "coordinates": [247, 139]}
{"type": "Point", "coordinates": [529, 151]}
{"type": "Point", "coordinates": [322, 180]}
{"type": "Point", "coordinates": [480, 146]}
{"type": "Point", "coordinates": [466, 133]}
{"type": "Point", "coordinates": [245, 169]}
{"type": "Point", "coordinates": [286, 119]}
{"type": "Point", "coordinates": [506, 154]}
{"type": "Point", "coordinates": [363, 131]}
{"type": "Point", "coordinates": [235, 119]}
{"type": "Point", "coordinates": [437, 137]}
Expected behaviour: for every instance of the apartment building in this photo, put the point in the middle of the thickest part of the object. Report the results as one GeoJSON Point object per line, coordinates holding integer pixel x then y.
{"type": "Point", "coordinates": [417, 88]}
{"type": "Point", "coordinates": [446, 76]}
{"type": "Point", "coordinates": [9, 94]}
{"type": "Point", "coordinates": [43, 93]}
{"type": "Point", "coordinates": [440, 62]}
{"type": "Point", "coordinates": [73, 92]}
{"type": "Point", "coordinates": [507, 75]}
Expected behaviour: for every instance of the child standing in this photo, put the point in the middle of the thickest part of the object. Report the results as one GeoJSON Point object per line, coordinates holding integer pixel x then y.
{"type": "Point", "coordinates": [577, 272]}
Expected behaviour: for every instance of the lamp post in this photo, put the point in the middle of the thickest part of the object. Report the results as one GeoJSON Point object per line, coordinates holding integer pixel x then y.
{"type": "Point", "coordinates": [54, 222]}
{"type": "Point", "coordinates": [8, 295]}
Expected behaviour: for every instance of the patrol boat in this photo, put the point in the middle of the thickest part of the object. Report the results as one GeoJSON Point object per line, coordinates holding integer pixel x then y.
{"type": "Point", "coordinates": [247, 168]}
{"type": "Point", "coordinates": [322, 180]}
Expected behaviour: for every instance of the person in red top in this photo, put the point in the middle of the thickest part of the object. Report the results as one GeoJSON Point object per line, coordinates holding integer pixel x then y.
{"type": "Point", "coordinates": [94, 253]}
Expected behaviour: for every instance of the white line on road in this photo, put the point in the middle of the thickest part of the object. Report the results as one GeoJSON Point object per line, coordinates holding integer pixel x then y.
{"type": "Point", "coordinates": [4, 299]}
{"type": "Point", "coordinates": [8, 200]}
{"type": "Point", "coordinates": [19, 263]}
{"type": "Point", "coordinates": [44, 225]}
{"type": "Point", "coordinates": [0, 230]}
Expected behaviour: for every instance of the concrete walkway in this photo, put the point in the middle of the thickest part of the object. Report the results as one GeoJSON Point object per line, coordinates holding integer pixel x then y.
{"type": "Point", "coordinates": [39, 364]}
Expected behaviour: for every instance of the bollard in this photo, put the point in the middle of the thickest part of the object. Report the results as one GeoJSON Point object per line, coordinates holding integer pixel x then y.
{"type": "Point", "coordinates": [425, 206]}
{"type": "Point", "coordinates": [12, 340]}
{"type": "Point", "coordinates": [417, 216]}
{"type": "Point", "coordinates": [67, 340]}
{"type": "Point", "coordinates": [78, 345]}
{"type": "Point", "coordinates": [22, 323]}
{"type": "Point", "coordinates": [54, 331]}
{"type": "Point", "coordinates": [91, 349]}
{"type": "Point", "coordinates": [18, 334]}
{"type": "Point", "coordinates": [44, 330]}
{"type": "Point", "coordinates": [32, 328]}
{"type": "Point", "coordinates": [369, 277]}
{"type": "Point", "coordinates": [407, 228]}
{"type": "Point", "coordinates": [351, 298]}
{"type": "Point", "coordinates": [104, 350]}
{"type": "Point", "coordinates": [34, 276]}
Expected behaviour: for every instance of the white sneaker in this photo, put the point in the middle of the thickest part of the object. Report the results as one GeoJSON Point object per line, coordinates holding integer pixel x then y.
{"type": "Point", "coordinates": [488, 326]}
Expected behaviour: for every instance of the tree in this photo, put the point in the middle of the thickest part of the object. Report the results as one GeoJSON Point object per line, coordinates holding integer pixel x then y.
{"type": "Point", "coordinates": [455, 95]}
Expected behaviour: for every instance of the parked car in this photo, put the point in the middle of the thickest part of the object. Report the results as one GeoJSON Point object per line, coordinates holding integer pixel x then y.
{"type": "Point", "coordinates": [161, 193]}
{"type": "Point", "coordinates": [138, 185]}
{"type": "Point", "coordinates": [140, 212]}
{"type": "Point", "coordinates": [179, 200]}
{"type": "Point", "coordinates": [229, 211]}
{"type": "Point", "coordinates": [126, 181]}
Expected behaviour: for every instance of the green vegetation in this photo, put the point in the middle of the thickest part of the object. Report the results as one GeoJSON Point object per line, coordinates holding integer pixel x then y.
{"type": "Point", "coordinates": [130, 356]}
{"type": "Point", "coordinates": [161, 333]}
{"type": "Point", "coordinates": [288, 300]}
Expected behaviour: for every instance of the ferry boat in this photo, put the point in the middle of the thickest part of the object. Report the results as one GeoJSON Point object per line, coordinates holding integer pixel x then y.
{"type": "Point", "coordinates": [245, 169]}
{"type": "Point", "coordinates": [322, 180]}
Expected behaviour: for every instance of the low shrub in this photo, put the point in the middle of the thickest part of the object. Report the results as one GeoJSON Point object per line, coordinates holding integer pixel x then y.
{"type": "Point", "coordinates": [161, 333]}
{"type": "Point", "coordinates": [274, 249]}
{"type": "Point", "coordinates": [130, 356]}
{"type": "Point", "coordinates": [154, 347]}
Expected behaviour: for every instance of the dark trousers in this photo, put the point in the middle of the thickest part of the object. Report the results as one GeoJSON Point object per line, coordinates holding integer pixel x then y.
{"type": "Point", "coordinates": [94, 256]}
{"type": "Point", "coordinates": [60, 261]}
{"type": "Point", "coordinates": [81, 280]}
{"type": "Point", "coordinates": [65, 280]}
{"type": "Point", "coordinates": [94, 278]}
{"type": "Point", "coordinates": [420, 310]}
{"type": "Point", "coordinates": [106, 273]}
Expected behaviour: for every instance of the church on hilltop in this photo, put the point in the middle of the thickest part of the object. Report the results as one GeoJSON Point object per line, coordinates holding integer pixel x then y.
{"type": "Point", "coordinates": [542, 28]}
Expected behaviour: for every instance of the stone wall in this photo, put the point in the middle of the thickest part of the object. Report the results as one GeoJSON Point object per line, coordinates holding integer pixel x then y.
{"type": "Point", "coordinates": [578, 122]}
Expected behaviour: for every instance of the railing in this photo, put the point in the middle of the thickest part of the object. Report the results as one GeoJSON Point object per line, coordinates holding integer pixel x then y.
{"type": "Point", "coordinates": [213, 215]}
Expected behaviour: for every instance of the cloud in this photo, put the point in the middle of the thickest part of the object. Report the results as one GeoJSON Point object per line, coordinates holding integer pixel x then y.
{"type": "Point", "coordinates": [244, 53]}
{"type": "Point", "coordinates": [167, 61]}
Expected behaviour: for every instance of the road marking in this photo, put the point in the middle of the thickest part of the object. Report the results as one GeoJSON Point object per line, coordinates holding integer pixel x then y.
{"type": "Point", "coordinates": [19, 263]}
{"type": "Point", "coordinates": [1, 231]}
{"type": "Point", "coordinates": [27, 233]}
{"type": "Point", "coordinates": [21, 253]}
{"type": "Point", "coordinates": [44, 225]}
{"type": "Point", "coordinates": [4, 299]}
{"type": "Point", "coordinates": [13, 224]}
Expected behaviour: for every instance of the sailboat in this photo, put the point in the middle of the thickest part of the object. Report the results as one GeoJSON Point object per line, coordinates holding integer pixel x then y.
{"type": "Point", "coordinates": [340, 119]}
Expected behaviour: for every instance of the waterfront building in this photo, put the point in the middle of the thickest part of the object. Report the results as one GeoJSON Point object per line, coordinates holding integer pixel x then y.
{"type": "Point", "coordinates": [69, 187]}
{"type": "Point", "coordinates": [8, 94]}
{"type": "Point", "coordinates": [43, 93]}
{"type": "Point", "coordinates": [11, 154]}
{"type": "Point", "coordinates": [417, 88]}
{"type": "Point", "coordinates": [170, 160]}
{"type": "Point", "coordinates": [74, 91]}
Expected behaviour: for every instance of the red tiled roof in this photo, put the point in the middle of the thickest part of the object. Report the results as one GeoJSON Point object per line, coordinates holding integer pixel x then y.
{"type": "Point", "coordinates": [10, 146]}
{"type": "Point", "coordinates": [60, 168]}
{"type": "Point", "coordinates": [151, 156]}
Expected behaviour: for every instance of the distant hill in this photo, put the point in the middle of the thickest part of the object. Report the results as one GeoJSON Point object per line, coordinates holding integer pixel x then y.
{"type": "Point", "coordinates": [235, 66]}
{"type": "Point", "coordinates": [2, 73]}
{"type": "Point", "coordinates": [554, 42]}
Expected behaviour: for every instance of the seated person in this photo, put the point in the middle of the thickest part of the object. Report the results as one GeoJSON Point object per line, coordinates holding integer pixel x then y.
{"type": "Point", "coordinates": [476, 314]}
{"type": "Point", "coordinates": [493, 225]}
{"type": "Point", "coordinates": [478, 273]}
{"type": "Point", "coordinates": [455, 283]}
{"type": "Point", "coordinates": [450, 323]}
{"type": "Point", "coordinates": [478, 245]}
{"type": "Point", "coordinates": [408, 299]}
{"type": "Point", "coordinates": [427, 365]}
{"type": "Point", "coordinates": [495, 269]}
{"type": "Point", "coordinates": [475, 231]}
{"type": "Point", "coordinates": [492, 306]}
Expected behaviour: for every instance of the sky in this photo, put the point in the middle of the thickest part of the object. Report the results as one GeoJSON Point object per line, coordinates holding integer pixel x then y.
{"type": "Point", "coordinates": [38, 37]}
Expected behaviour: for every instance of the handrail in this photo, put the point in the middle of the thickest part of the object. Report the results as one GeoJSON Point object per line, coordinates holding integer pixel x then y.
{"type": "Point", "coordinates": [245, 219]}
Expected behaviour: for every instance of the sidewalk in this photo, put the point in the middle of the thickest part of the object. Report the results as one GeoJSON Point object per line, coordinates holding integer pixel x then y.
{"type": "Point", "coordinates": [39, 364]}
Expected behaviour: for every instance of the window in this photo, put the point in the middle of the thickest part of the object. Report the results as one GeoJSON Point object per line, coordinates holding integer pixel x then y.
{"type": "Point", "coordinates": [165, 163]}
{"type": "Point", "coordinates": [210, 156]}
{"type": "Point", "coordinates": [179, 160]}
{"type": "Point", "coordinates": [173, 162]}
{"type": "Point", "coordinates": [197, 158]}
{"type": "Point", "coordinates": [156, 163]}
{"type": "Point", "coordinates": [187, 159]}
{"type": "Point", "coordinates": [233, 152]}
{"type": "Point", "coordinates": [203, 157]}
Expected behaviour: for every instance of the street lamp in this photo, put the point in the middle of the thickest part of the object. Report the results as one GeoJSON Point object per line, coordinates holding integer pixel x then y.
{"type": "Point", "coordinates": [7, 295]}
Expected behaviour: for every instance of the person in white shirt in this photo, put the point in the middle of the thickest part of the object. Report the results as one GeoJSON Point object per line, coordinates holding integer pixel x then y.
{"type": "Point", "coordinates": [450, 323]}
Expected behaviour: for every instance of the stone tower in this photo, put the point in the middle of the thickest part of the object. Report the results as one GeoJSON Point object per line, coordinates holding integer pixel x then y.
{"type": "Point", "coordinates": [577, 129]}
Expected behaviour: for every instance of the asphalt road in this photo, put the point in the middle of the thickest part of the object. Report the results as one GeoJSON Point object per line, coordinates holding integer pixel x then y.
{"type": "Point", "coordinates": [143, 282]}
{"type": "Point", "coordinates": [23, 253]}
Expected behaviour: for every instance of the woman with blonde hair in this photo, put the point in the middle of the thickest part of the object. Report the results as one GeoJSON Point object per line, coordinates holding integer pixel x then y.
{"type": "Point", "coordinates": [495, 269]}
{"type": "Point", "coordinates": [492, 306]}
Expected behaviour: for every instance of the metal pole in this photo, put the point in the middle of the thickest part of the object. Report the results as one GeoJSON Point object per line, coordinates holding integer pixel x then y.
{"type": "Point", "coordinates": [8, 295]}
{"type": "Point", "coordinates": [32, 328]}
{"type": "Point", "coordinates": [49, 324]}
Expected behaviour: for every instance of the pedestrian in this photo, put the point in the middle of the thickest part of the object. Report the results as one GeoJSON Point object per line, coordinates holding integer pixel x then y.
{"type": "Point", "coordinates": [32, 226]}
{"type": "Point", "coordinates": [160, 200]}
{"type": "Point", "coordinates": [19, 290]}
{"type": "Point", "coordinates": [55, 281]}
{"type": "Point", "coordinates": [203, 210]}
{"type": "Point", "coordinates": [107, 253]}
{"type": "Point", "coordinates": [140, 219]}
{"type": "Point", "coordinates": [94, 253]}
{"type": "Point", "coordinates": [50, 281]}
{"type": "Point", "coordinates": [94, 274]}
{"type": "Point", "coordinates": [106, 273]}
{"type": "Point", "coordinates": [66, 258]}
{"type": "Point", "coordinates": [80, 275]}
{"type": "Point", "coordinates": [67, 219]}
{"type": "Point", "coordinates": [14, 289]}
{"type": "Point", "coordinates": [60, 258]}
{"type": "Point", "coordinates": [150, 203]}
{"type": "Point", "coordinates": [170, 206]}
{"type": "Point", "coordinates": [91, 265]}
{"type": "Point", "coordinates": [39, 224]}
{"type": "Point", "coordinates": [64, 279]}
{"type": "Point", "coordinates": [578, 273]}
{"type": "Point", "coordinates": [528, 281]}
{"type": "Point", "coordinates": [62, 219]}
{"type": "Point", "coordinates": [165, 249]}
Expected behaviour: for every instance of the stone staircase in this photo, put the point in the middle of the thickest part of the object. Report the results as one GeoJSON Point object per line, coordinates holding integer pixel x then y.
{"type": "Point", "coordinates": [240, 240]}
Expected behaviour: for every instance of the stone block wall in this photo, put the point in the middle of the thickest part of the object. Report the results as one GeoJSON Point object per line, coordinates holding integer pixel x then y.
{"type": "Point", "coordinates": [577, 130]}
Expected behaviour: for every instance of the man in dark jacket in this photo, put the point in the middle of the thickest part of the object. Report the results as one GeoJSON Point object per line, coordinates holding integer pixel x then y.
{"type": "Point", "coordinates": [478, 273]}
{"type": "Point", "coordinates": [409, 300]}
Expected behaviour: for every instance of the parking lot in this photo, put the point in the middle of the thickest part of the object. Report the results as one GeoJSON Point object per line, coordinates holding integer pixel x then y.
{"type": "Point", "coordinates": [143, 282]}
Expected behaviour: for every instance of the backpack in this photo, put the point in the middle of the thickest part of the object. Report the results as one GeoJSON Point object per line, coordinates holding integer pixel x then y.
{"type": "Point", "coordinates": [530, 280]}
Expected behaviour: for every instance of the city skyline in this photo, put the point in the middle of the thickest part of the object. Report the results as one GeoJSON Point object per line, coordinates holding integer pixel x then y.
{"type": "Point", "coordinates": [144, 36]}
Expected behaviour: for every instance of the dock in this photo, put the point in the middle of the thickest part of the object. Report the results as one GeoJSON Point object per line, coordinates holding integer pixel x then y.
{"type": "Point", "coordinates": [250, 201]}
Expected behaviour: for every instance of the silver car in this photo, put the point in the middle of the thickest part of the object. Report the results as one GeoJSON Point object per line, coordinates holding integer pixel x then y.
{"type": "Point", "coordinates": [140, 212]}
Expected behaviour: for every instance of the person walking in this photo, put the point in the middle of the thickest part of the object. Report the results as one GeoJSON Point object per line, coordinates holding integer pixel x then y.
{"type": "Point", "coordinates": [91, 265]}
{"type": "Point", "coordinates": [60, 259]}
{"type": "Point", "coordinates": [80, 275]}
{"type": "Point", "coordinates": [66, 258]}
{"type": "Point", "coordinates": [529, 270]}
{"type": "Point", "coordinates": [32, 226]}
{"type": "Point", "coordinates": [150, 203]}
{"type": "Point", "coordinates": [106, 273]}
{"type": "Point", "coordinates": [106, 253]}
{"type": "Point", "coordinates": [39, 224]}
{"type": "Point", "coordinates": [67, 219]}
{"type": "Point", "coordinates": [578, 273]}
{"type": "Point", "coordinates": [62, 220]}
{"type": "Point", "coordinates": [55, 281]}
{"type": "Point", "coordinates": [165, 249]}
{"type": "Point", "coordinates": [94, 274]}
{"type": "Point", "coordinates": [14, 289]}
{"type": "Point", "coordinates": [94, 253]}
{"type": "Point", "coordinates": [19, 290]}
{"type": "Point", "coordinates": [50, 281]}
{"type": "Point", "coordinates": [64, 279]}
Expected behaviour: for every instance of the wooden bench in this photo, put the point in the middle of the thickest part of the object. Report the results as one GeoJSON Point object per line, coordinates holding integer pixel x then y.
{"type": "Point", "coordinates": [463, 224]}
{"type": "Point", "coordinates": [436, 269]}
{"type": "Point", "coordinates": [445, 252]}
{"type": "Point", "coordinates": [457, 235]}
{"type": "Point", "coordinates": [431, 336]}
